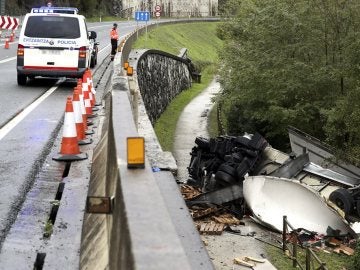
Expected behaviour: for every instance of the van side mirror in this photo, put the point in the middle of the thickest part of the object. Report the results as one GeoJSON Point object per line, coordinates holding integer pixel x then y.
{"type": "Point", "coordinates": [92, 35]}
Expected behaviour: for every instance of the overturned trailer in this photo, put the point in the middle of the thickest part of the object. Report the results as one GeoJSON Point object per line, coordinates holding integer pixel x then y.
{"type": "Point", "coordinates": [245, 170]}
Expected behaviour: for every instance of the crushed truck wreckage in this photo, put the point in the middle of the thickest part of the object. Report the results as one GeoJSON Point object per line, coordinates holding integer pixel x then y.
{"type": "Point", "coordinates": [245, 172]}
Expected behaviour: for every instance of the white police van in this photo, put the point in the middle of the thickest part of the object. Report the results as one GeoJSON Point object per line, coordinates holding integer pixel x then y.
{"type": "Point", "coordinates": [55, 42]}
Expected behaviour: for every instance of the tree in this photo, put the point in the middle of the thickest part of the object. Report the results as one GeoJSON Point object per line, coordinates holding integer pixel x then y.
{"type": "Point", "coordinates": [289, 62]}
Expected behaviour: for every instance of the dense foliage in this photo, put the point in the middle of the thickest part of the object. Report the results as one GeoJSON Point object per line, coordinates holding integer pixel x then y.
{"type": "Point", "coordinates": [293, 62]}
{"type": "Point", "coordinates": [88, 8]}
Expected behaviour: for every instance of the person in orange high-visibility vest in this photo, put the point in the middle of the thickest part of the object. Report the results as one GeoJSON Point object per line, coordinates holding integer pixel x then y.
{"type": "Point", "coordinates": [114, 36]}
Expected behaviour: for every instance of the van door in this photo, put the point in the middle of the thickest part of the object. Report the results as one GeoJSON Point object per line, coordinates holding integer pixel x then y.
{"type": "Point", "coordinates": [51, 42]}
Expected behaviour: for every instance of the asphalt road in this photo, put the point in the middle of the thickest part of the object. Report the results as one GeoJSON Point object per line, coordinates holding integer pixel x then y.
{"type": "Point", "coordinates": [30, 118]}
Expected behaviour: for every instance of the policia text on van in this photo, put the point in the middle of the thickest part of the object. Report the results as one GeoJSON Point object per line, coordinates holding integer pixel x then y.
{"type": "Point", "coordinates": [54, 42]}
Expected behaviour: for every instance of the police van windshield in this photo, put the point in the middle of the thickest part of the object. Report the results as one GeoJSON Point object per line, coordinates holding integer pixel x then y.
{"type": "Point", "coordinates": [52, 27]}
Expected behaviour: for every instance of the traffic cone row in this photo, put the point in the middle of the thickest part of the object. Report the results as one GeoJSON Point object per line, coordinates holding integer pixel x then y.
{"type": "Point", "coordinates": [78, 110]}
{"type": "Point", "coordinates": [9, 39]}
{"type": "Point", "coordinates": [88, 77]}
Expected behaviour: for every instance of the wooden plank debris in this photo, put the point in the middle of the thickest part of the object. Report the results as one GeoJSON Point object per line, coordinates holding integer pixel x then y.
{"type": "Point", "coordinates": [248, 261]}
{"type": "Point", "coordinates": [189, 192]}
{"type": "Point", "coordinates": [199, 213]}
{"type": "Point", "coordinates": [344, 249]}
{"type": "Point", "coordinates": [227, 219]}
{"type": "Point", "coordinates": [248, 258]}
{"type": "Point", "coordinates": [211, 228]}
{"type": "Point", "coordinates": [244, 263]}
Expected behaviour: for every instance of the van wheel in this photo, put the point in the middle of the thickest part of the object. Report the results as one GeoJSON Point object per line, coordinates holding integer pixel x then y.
{"type": "Point", "coordinates": [21, 79]}
{"type": "Point", "coordinates": [92, 62]}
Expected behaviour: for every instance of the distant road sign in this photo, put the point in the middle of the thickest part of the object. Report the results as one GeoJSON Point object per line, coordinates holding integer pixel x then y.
{"type": "Point", "coordinates": [7, 22]}
{"type": "Point", "coordinates": [157, 8]}
{"type": "Point", "coordinates": [142, 15]}
{"type": "Point", "coordinates": [157, 14]}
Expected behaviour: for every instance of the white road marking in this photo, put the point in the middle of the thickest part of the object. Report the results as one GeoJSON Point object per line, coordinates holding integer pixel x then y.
{"type": "Point", "coordinates": [16, 120]}
{"type": "Point", "coordinates": [7, 60]}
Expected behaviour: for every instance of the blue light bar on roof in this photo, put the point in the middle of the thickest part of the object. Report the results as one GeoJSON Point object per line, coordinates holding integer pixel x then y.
{"type": "Point", "coordinates": [67, 10]}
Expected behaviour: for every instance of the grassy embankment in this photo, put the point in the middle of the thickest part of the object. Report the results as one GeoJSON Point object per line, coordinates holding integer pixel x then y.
{"type": "Point", "coordinates": [202, 44]}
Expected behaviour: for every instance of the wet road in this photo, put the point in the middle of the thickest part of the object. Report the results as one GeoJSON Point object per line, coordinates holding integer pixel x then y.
{"type": "Point", "coordinates": [30, 119]}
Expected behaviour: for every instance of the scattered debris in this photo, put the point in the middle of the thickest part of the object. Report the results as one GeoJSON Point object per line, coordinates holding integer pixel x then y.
{"type": "Point", "coordinates": [227, 219]}
{"type": "Point", "coordinates": [189, 192]}
{"type": "Point", "coordinates": [231, 176]}
{"type": "Point", "coordinates": [344, 249]}
{"type": "Point", "coordinates": [244, 263]}
{"type": "Point", "coordinates": [248, 261]}
{"type": "Point", "coordinates": [211, 228]}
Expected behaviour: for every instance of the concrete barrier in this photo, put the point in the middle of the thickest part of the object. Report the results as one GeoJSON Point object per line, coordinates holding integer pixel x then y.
{"type": "Point", "coordinates": [150, 226]}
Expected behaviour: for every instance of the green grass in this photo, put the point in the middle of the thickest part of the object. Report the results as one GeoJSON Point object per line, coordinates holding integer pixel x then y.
{"type": "Point", "coordinates": [166, 124]}
{"type": "Point", "coordinates": [199, 38]}
{"type": "Point", "coordinates": [282, 262]}
{"type": "Point", "coordinates": [203, 45]}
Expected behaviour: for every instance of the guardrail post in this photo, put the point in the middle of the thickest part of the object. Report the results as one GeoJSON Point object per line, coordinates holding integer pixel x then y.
{"type": "Point", "coordinates": [294, 255]}
{"type": "Point", "coordinates": [284, 234]}
{"type": "Point", "coordinates": [308, 259]}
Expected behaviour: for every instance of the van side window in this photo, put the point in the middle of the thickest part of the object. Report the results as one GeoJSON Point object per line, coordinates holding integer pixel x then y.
{"type": "Point", "coordinates": [52, 27]}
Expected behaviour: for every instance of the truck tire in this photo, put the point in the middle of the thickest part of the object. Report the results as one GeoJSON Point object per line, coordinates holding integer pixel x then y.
{"type": "Point", "coordinates": [224, 179]}
{"type": "Point", "coordinates": [203, 143]}
{"type": "Point", "coordinates": [227, 169]}
{"type": "Point", "coordinates": [343, 199]}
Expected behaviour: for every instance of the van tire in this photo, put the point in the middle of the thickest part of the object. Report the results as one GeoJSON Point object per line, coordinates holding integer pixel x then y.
{"type": "Point", "coordinates": [21, 79]}
{"type": "Point", "coordinates": [92, 61]}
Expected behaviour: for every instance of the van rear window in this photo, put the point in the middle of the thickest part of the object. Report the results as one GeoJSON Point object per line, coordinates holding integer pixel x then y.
{"type": "Point", "coordinates": [52, 27]}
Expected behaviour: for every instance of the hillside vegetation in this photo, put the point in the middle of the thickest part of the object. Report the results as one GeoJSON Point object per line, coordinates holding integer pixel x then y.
{"type": "Point", "coordinates": [203, 46]}
{"type": "Point", "coordinates": [293, 63]}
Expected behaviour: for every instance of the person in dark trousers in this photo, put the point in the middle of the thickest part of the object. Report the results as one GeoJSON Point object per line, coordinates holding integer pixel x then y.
{"type": "Point", "coordinates": [114, 36]}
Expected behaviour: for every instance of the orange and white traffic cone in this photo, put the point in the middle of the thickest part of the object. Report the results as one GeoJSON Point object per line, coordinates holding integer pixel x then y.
{"type": "Point", "coordinates": [91, 88]}
{"type": "Point", "coordinates": [87, 100]}
{"type": "Point", "coordinates": [70, 150]}
{"type": "Point", "coordinates": [87, 87]}
{"type": "Point", "coordinates": [86, 122]}
{"type": "Point", "coordinates": [12, 35]}
{"type": "Point", "coordinates": [87, 103]}
{"type": "Point", "coordinates": [7, 46]}
{"type": "Point", "coordinates": [80, 127]}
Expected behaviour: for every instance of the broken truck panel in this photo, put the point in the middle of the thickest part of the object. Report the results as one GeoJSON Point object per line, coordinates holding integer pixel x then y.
{"type": "Point", "coordinates": [331, 175]}
{"type": "Point", "coordinates": [219, 196]}
{"type": "Point", "coordinates": [292, 167]}
{"type": "Point", "coordinates": [271, 198]}
{"type": "Point", "coordinates": [319, 153]}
